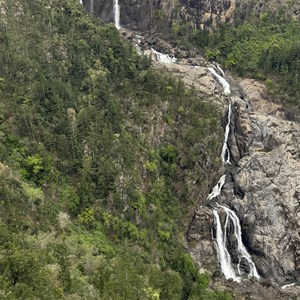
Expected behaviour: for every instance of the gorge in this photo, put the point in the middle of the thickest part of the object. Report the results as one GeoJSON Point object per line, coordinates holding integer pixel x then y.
{"type": "Point", "coordinates": [149, 150]}
{"type": "Point", "coordinates": [246, 137]}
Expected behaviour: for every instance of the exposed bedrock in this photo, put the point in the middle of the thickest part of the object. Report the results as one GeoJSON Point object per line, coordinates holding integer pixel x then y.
{"type": "Point", "coordinates": [262, 186]}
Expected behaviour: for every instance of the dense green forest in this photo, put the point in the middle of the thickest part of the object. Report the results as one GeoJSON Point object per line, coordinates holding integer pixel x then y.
{"type": "Point", "coordinates": [99, 153]}
{"type": "Point", "coordinates": [266, 48]}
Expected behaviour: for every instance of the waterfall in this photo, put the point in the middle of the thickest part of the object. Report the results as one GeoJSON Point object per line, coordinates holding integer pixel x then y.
{"type": "Point", "coordinates": [231, 233]}
{"type": "Point", "coordinates": [222, 81]}
{"type": "Point", "coordinates": [242, 253]}
{"type": "Point", "coordinates": [217, 188]}
{"type": "Point", "coordinates": [223, 254]}
{"type": "Point", "coordinates": [288, 285]}
{"type": "Point", "coordinates": [92, 6]}
{"type": "Point", "coordinates": [220, 69]}
{"type": "Point", "coordinates": [225, 150]}
{"type": "Point", "coordinates": [165, 58]}
{"type": "Point", "coordinates": [81, 2]}
{"type": "Point", "coordinates": [137, 45]}
{"type": "Point", "coordinates": [117, 14]}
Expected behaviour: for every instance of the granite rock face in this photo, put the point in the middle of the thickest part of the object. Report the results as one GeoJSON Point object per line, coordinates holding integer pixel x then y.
{"type": "Point", "coordinates": [263, 182]}
{"type": "Point", "coordinates": [268, 173]}
{"type": "Point", "coordinates": [262, 187]}
{"type": "Point", "coordinates": [158, 16]}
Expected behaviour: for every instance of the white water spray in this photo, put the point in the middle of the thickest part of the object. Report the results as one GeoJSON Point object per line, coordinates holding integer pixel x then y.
{"type": "Point", "coordinates": [225, 155]}
{"type": "Point", "coordinates": [288, 285]}
{"type": "Point", "coordinates": [217, 188]}
{"type": "Point", "coordinates": [165, 58]}
{"type": "Point", "coordinates": [222, 81]}
{"type": "Point", "coordinates": [220, 69]}
{"type": "Point", "coordinates": [117, 14]}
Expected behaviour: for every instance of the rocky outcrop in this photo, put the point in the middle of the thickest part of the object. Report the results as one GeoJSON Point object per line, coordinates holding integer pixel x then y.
{"type": "Point", "coordinates": [262, 187]}
{"type": "Point", "coordinates": [199, 240]}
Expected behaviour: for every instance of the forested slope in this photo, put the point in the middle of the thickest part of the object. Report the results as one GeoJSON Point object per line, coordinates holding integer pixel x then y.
{"type": "Point", "coordinates": [101, 159]}
{"type": "Point", "coordinates": [264, 47]}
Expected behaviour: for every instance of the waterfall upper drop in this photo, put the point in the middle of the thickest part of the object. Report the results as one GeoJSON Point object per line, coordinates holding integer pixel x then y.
{"type": "Point", "coordinates": [117, 14]}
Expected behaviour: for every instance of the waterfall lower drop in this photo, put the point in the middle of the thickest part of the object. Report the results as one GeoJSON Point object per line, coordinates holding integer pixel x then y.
{"type": "Point", "coordinates": [222, 240]}
{"type": "Point", "coordinates": [223, 254]}
{"type": "Point", "coordinates": [241, 249]}
{"type": "Point", "coordinates": [225, 150]}
{"type": "Point", "coordinates": [117, 14]}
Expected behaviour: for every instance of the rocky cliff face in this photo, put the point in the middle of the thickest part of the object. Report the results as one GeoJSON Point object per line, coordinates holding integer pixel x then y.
{"type": "Point", "coordinates": [262, 186]}
{"type": "Point", "coordinates": [267, 173]}
{"type": "Point", "coordinates": [160, 15]}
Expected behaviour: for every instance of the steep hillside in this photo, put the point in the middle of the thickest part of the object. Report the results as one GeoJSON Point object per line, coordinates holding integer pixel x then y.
{"type": "Point", "coordinates": [102, 160]}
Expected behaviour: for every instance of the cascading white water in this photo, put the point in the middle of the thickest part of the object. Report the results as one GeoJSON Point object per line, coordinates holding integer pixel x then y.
{"type": "Point", "coordinates": [81, 2]}
{"type": "Point", "coordinates": [241, 250]}
{"type": "Point", "coordinates": [225, 155]}
{"type": "Point", "coordinates": [165, 58]}
{"type": "Point", "coordinates": [222, 81]}
{"type": "Point", "coordinates": [288, 285]}
{"type": "Point", "coordinates": [117, 14]}
{"type": "Point", "coordinates": [217, 188]}
{"type": "Point", "coordinates": [221, 236]}
{"type": "Point", "coordinates": [137, 45]}
{"type": "Point", "coordinates": [220, 69]}
{"type": "Point", "coordinates": [223, 254]}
